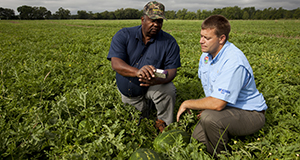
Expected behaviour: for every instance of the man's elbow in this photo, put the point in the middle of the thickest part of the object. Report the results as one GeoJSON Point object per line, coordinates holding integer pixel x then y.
{"type": "Point", "coordinates": [171, 74]}
{"type": "Point", "coordinates": [113, 67]}
{"type": "Point", "coordinates": [220, 104]}
{"type": "Point", "coordinates": [114, 63]}
{"type": "Point", "coordinates": [219, 108]}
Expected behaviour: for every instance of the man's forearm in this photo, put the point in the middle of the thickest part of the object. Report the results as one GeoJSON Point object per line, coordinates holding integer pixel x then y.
{"type": "Point", "coordinates": [205, 103]}
{"type": "Point", "coordinates": [123, 68]}
{"type": "Point", "coordinates": [170, 76]}
{"type": "Point", "coordinates": [201, 104]}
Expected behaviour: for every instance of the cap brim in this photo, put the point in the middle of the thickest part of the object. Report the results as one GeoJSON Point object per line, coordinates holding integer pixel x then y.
{"type": "Point", "coordinates": [158, 17]}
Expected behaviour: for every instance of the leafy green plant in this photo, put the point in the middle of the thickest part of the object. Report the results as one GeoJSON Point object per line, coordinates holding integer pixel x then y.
{"type": "Point", "coordinates": [58, 96]}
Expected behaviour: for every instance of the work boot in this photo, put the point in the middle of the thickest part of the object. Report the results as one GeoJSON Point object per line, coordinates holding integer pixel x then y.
{"type": "Point", "coordinates": [160, 125]}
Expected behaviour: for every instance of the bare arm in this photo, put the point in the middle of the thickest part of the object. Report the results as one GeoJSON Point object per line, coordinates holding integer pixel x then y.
{"type": "Point", "coordinates": [201, 104]}
{"type": "Point", "coordinates": [145, 74]}
{"type": "Point", "coordinates": [154, 81]}
{"type": "Point", "coordinates": [123, 68]}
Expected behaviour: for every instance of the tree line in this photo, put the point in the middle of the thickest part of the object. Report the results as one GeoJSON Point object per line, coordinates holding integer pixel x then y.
{"type": "Point", "coordinates": [248, 13]}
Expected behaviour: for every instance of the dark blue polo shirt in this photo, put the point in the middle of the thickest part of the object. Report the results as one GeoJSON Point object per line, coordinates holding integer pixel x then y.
{"type": "Point", "coordinates": [127, 44]}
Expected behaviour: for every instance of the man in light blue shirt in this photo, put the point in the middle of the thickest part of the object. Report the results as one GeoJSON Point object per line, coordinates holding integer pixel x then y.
{"type": "Point", "coordinates": [233, 105]}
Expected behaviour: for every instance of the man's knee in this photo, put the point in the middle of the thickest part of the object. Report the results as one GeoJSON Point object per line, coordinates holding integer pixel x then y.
{"type": "Point", "coordinates": [169, 89]}
{"type": "Point", "coordinates": [211, 122]}
{"type": "Point", "coordinates": [207, 118]}
{"type": "Point", "coordinates": [163, 90]}
{"type": "Point", "coordinates": [206, 121]}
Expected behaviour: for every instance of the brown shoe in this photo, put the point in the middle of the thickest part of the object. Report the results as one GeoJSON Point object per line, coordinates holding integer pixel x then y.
{"type": "Point", "coordinates": [160, 125]}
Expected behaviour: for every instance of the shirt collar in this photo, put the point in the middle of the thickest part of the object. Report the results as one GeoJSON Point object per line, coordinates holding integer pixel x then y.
{"type": "Point", "coordinates": [139, 35]}
{"type": "Point", "coordinates": [215, 60]}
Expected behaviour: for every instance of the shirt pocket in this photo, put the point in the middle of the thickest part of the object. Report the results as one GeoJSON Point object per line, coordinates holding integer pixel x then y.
{"type": "Point", "coordinates": [154, 61]}
{"type": "Point", "coordinates": [215, 73]}
{"type": "Point", "coordinates": [204, 78]}
{"type": "Point", "coordinates": [213, 77]}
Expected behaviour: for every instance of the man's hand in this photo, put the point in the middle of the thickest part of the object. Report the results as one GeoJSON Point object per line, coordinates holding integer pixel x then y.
{"type": "Point", "coordinates": [146, 75]}
{"type": "Point", "coordinates": [147, 83]}
{"type": "Point", "coordinates": [199, 114]}
{"type": "Point", "coordinates": [201, 104]}
{"type": "Point", "coordinates": [146, 72]}
{"type": "Point", "coordinates": [182, 109]}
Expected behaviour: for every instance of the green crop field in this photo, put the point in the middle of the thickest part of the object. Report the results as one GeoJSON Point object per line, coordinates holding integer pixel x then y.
{"type": "Point", "coordinates": [58, 96]}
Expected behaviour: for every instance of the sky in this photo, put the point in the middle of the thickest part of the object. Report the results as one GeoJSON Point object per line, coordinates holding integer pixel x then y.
{"type": "Point", "coordinates": [112, 5]}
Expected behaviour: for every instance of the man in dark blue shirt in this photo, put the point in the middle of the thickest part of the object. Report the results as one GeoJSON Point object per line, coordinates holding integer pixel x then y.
{"type": "Point", "coordinates": [136, 53]}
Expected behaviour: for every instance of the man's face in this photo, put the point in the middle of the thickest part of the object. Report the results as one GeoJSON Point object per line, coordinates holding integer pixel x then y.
{"type": "Point", "coordinates": [210, 43]}
{"type": "Point", "coordinates": [151, 26]}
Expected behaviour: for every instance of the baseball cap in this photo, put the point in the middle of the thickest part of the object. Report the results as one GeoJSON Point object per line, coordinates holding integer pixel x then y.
{"type": "Point", "coordinates": [155, 10]}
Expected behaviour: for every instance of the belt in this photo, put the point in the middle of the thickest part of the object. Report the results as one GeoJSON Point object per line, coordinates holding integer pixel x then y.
{"type": "Point", "coordinates": [263, 111]}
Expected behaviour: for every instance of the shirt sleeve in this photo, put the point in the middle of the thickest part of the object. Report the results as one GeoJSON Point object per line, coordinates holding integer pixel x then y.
{"type": "Point", "coordinates": [173, 56]}
{"type": "Point", "coordinates": [228, 84]}
{"type": "Point", "coordinates": [118, 46]}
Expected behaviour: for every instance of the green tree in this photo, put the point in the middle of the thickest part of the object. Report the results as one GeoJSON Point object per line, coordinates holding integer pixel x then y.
{"type": "Point", "coordinates": [81, 14]}
{"type": "Point", "coordinates": [296, 14]}
{"type": "Point", "coordinates": [181, 13]}
{"type": "Point", "coordinates": [267, 13]}
{"type": "Point", "coordinates": [251, 11]}
{"type": "Point", "coordinates": [232, 12]}
{"type": "Point", "coordinates": [238, 13]}
{"type": "Point", "coordinates": [6, 13]}
{"type": "Point", "coordinates": [41, 13]}
{"type": "Point", "coordinates": [205, 14]}
{"type": "Point", "coordinates": [217, 11]}
{"type": "Point", "coordinates": [119, 13]}
{"type": "Point", "coordinates": [170, 14]}
{"type": "Point", "coordinates": [130, 13]}
{"type": "Point", "coordinates": [25, 12]}
{"type": "Point", "coordinates": [111, 15]}
{"type": "Point", "coordinates": [198, 14]}
{"type": "Point", "coordinates": [288, 14]}
{"type": "Point", "coordinates": [97, 16]}
{"type": "Point", "coordinates": [104, 15]}
{"type": "Point", "coordinates": [258, 14]}
{"type": "Point", "coordinates": [62, 13]}
{"type": "Point", "coordinates": [190, 15]}
{"type": "Point", "coordinates": [246, 15]}
{"type": "Point", "coordinates": [279, 13]}
{"type": "Point", "coordinates": [91, 15]}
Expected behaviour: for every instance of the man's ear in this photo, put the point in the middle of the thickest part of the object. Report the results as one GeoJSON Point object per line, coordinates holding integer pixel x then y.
{"type": "Point", "coordinates": [142, 18]}
{"type": "Point", "coordinates": [222, 39]}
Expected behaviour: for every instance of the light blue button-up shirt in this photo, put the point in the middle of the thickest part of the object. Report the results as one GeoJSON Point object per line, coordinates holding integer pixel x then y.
{"type": "Point", "coordinates": [229, 77]}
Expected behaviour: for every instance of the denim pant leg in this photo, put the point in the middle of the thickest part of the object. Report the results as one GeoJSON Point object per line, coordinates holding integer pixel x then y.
{"type": "Point", "coordinates": [229, 121]}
